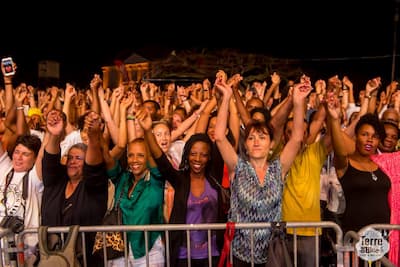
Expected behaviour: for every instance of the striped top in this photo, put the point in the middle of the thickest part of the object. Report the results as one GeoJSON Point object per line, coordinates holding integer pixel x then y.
{"type": "Point", "coordinates": [255, 202]}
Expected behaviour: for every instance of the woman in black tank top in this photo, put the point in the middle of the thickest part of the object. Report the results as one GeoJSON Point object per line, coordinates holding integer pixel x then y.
{"type": "Point", "coordinates": [365, 185]}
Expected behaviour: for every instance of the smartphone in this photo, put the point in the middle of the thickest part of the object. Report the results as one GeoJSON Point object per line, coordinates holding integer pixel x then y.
{"type": "Point", "coordinates": [8, 65]}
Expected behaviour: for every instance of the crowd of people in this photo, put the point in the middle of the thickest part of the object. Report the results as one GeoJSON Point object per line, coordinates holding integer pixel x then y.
{"type": "Point", "coordinates": [170, 151]}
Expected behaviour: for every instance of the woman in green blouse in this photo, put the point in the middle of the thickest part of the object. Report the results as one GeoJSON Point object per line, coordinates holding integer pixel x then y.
{"type": "Point", "coordinates": [141, 204]}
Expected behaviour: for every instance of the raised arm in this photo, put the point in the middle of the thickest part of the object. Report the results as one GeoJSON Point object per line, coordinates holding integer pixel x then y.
{"type": "Point", "coordinates": [279, 117]}
{"type": "Point", "coordinates": [316, 124]}
{"type": "Point", "coordinates": [69, 95]}
{"type": "Point", "coordinates": [169, 100]}
{"type": "Point", "coordinates": [292, 147]}
{"type": "Point", "coordinates": [202, 123]}
{"type": "Point", "coordinates": [243, 112]}
{"type": "Point", "coordinates": [54, 102]}
{"type": "Point", "coordinates": [115, 102]}
{"type": "Point", "coordinates": [95, 84]}
{"type": "Point", "coordinates": [22, 126]}
{"type": "Point", "coordinates": [111, 127]}
{"type": "Point", "coordinates": [94, 153]}
{"type": "Point", "coordinates": [371, 91]}
{"type": "Point", "coordinates": [145, 122]}
{"type": "Point", "coordinates": [188, 122]}
{"type": "Point", "coordinates": [338, 144]}
{"type": "Point", "coordinates": [276, 80]}
{"type": "Point", "coordinates": [227, 151]}
{"type": "Point", "coordinates": [234, 123]}
{"type": "Point", "coordinates": [55, 124]}
{"type": "Point", "coordinates": [370, 88]}
{"type": "Point", "coordinates": [118, 150]}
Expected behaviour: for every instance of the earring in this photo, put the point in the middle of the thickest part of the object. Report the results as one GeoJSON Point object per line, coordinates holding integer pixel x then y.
{"type": "Point", "coordinates": [186, 164]}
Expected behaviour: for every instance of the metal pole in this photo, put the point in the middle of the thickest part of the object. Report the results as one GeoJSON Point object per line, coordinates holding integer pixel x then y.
{"type": "Point", "coordinates": [396, 19]}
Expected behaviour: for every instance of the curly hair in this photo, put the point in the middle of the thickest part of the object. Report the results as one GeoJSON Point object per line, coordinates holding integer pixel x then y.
{"type": "Point", "coordinates": [373, 120]}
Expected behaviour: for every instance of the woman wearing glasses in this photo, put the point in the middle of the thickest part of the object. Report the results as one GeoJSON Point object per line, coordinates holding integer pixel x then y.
{"type": "Point", "coordinates": [74, 194]}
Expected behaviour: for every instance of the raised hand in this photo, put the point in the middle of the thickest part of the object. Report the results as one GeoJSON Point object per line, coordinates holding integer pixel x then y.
{"type": "Point", "coordinates": [392, 87]}
{"type": "Point", "coordinates": [235, 80]}
{"type": "Point", "coordinates": [93, 124]}
{"type": "Point", "coordinates": [54, 92]}
{"type": "Point", "coordinates": [20, 95]}
{"type": "Point", "coordinates": [144, 119]}
{"type": "Point", "coordinates": [302, 89]}
{"type": "Point", "coordinates": [221, 75]}
{"type": "Point", "coordinates": [70, 91]}
{"type": "Point", "coordinates": [127, 101]}
{"type": "Point", "coordinates": [334, 83]}
{"type": "Point", "coordinates": [223, 87]}
{"type": "Point", "coordinates": [96, 82]}
{"type": "Point", "coordinates": [333, 105]}
{"type": "Point", "coordinates": [206, 84]}
{"type": "Point", "coordinates": [347, 83]}
{"type": "Point", "coordinates": [372, 85]}
{"type": "Point", "coordinates": [55, 122]}
{"type": "Point", "coordinates": [320, 86]}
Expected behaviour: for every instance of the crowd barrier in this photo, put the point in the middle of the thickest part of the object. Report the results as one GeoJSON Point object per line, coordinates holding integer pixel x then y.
{"type": "Point", "coordinates": [8, 250]}
{"type": "Point", "coordinates": [344, 246]}
{"type": "Point", "coordinates": [166, 228]}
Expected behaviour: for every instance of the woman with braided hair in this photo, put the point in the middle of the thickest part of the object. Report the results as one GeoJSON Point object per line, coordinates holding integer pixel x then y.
{"type": "Point", "coordinates": [197, 196]}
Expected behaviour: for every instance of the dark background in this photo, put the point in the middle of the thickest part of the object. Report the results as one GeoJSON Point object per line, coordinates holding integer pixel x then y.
{"type": "Point", "coordinates": [340, 37]}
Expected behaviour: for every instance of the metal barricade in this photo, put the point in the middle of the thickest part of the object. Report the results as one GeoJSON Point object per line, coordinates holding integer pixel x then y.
{"type": "Point", "coordinates": [351, 238]}
{"type": "Point", "coordinates": [8, 253]}
{"type": "Point", "coordinates": [167, 228]}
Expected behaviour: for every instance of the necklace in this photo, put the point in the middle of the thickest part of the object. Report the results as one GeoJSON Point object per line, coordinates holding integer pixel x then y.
{"type": "Point", "coordinates": [373, 176]}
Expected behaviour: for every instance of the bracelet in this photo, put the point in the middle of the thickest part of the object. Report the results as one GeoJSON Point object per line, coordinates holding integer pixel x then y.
{"type": "Point", "coordinates": [20, 108]}
{"type": "Point", "coordinates": [130, 118]}
{"type": "Point", "coordinates": [8, 83]}
{"type": "Point", "coordinates": [369, 96]}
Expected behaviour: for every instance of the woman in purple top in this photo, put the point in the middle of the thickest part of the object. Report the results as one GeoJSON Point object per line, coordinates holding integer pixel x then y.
{"type": "Point", "coordinates": [197, 197]}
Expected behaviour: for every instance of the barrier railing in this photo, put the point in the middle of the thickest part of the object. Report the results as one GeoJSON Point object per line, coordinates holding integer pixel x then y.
{"type": "Point", "coordinates": [167, 228]}
{"type": "Point", "coordinates": [7, 252]}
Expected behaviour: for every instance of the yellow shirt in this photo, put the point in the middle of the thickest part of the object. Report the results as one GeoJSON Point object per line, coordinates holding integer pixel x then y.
{"type": "Point", "coordinates": [301, 193]}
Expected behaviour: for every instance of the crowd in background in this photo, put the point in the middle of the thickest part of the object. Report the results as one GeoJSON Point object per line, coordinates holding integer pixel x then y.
{"type": "Point", "coordinates": [171, 149]}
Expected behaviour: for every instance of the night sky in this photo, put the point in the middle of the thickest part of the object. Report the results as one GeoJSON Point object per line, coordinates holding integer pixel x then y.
{"type": "Point", "coordinates": [327, 35]}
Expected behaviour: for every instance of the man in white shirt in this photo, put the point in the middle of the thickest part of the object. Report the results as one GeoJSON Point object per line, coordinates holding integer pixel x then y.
{"type": "Point", "coordinates": [21, 186]}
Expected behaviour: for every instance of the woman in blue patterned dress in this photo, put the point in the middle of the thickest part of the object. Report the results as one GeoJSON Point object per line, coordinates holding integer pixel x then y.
{"type": "Point", "coordinates": [256, 183]}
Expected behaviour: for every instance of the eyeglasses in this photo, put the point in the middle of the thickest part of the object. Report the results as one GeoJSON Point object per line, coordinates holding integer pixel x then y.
{"type": "Point", "coordinates": [69, 157]}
